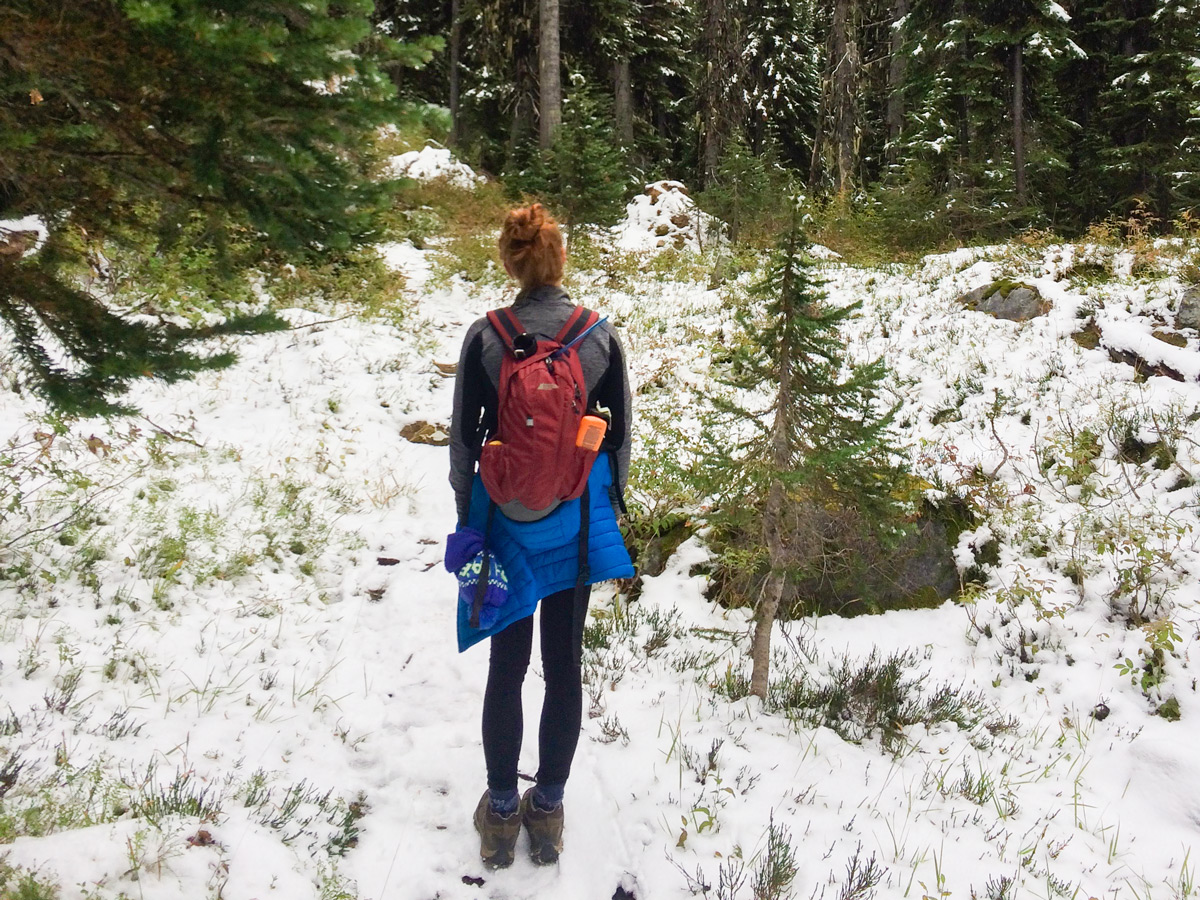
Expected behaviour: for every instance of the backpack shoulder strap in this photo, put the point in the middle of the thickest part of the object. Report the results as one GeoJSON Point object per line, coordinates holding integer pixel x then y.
{"type": "Point", "coordinates": [507, 325]}
{"type": "Point", "coordinates": [581, 319]}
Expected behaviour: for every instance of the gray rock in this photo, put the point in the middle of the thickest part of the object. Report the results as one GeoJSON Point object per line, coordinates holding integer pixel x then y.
{"type": "Point", "coordinates": [1017, 303]}
{"type": "Point", "coordinates": [972, 299]}
{"type": "Point", "coordinates": [1189, 309]}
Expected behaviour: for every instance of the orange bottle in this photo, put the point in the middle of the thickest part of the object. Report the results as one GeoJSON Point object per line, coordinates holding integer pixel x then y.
{"type": "Point", "coordinates": [591, 433]}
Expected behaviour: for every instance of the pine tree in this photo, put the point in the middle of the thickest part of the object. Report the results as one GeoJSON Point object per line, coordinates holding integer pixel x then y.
{"type": "Point", "coordinates": [739, 190]}
{"type": "Point", "coordinates": [817, 446]}
{"type": "Point", "coordinates": [643, 48]}
{"type": "Point", "coordinates": [782, 81]}
{"type": "Point", "coordinates": [986, 122]}
{"type": "Point", "coordinates": [499, 72]}
{"type": "Point", "coordinates": [411, 22]}
{"type": "Point", "coordinates": [122, 122]}
{"type": "Point", "coordinates": [1145, 117]}
{"type": "Point", "coordinates": [584, 176]}
{"type": "Point", "coordinates": [720, 88]}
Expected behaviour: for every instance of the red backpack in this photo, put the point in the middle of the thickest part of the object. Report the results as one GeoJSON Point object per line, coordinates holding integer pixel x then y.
{"type": "Point", "coordinates": [532, 457]}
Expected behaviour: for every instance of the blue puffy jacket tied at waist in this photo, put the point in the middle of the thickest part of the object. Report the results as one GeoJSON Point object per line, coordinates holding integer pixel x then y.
{"type": "Point", "coordinates": [542, 557]}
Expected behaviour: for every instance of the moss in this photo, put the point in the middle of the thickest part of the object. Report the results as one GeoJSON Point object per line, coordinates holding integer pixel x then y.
{"type": "Point", "coordinates": [925, 597]}
{"type": "Point", "coordinates": [988, 553]}
{"type": "Point", "coordinates": [1170, 337]}
{"type": "Point", "coordinates": [1138, 452]}
{"type": "Point", "coordinates": [1005, 286]}
{"type": "Point", "coordinates": [1090, 273]}
{"type": "Point", "coordinates": [1089, 337]}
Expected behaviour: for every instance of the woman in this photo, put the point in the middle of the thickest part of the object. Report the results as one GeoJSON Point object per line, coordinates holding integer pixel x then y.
{"type": "Point", "coordinates": [540, 544]}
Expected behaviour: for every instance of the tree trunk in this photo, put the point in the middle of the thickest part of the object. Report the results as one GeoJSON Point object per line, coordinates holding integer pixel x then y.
{"type": "Point", "coordinates": [897, 64]}
{"type": "Point", "coordinates": [719, 104]}
{"type": "Point", "coordinates": [1018, 114]}
{"type": "Point", "coordinates": [549, 81]}
{"type": "Point", "coordinates": [845, 77]}
{"type": "Point", "coordinates": [764, 624]}
{"type": "Point", "coordinates": [455, 48]}
{"type": "Point", "coordinates": [960, 177]}
{"type": "Point", "coordinates": [814, 168]}
{"type": "Point", "coordinates": [623, 102]}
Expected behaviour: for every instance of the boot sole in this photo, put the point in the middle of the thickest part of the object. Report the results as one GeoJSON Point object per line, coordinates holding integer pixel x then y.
{"type": "Point", "coordinates": [546, 855]}
{"type": "Point", "coordinates": [499, 860]}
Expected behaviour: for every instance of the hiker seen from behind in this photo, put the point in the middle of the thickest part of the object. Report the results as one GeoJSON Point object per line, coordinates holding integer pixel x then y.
{"type": "Point", "coordinates": [539, 455]}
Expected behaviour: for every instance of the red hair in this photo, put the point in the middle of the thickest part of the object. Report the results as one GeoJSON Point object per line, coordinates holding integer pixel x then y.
{"type": "Point", "coordinates": [531, 246]}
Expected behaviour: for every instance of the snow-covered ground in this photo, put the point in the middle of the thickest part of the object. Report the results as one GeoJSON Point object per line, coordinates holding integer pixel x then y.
{"type": "Point", "coordinates": [234, 675]}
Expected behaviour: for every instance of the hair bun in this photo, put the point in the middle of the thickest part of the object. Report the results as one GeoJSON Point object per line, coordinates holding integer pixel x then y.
{"type": "Point", "coordinates": [531, 246]}
{"type": "Point", "coordinates": [527, 222]}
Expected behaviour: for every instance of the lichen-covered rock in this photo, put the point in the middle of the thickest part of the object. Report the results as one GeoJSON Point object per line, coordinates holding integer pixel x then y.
{"type": "Point", "coordinates": [1007, 300]}
{"type": "Point", "coordinates": [1189, 309]}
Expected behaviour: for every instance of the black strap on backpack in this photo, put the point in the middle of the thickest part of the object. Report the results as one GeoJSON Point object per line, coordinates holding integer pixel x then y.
{"type": "Point", "coordinates": [512, 332]}
{"type": "Point", "coordinates": [614, 490]}
{"type": "Point", "coordinates": [579, 321]}
{"type": "Point", "coordinates": [580, 599]}
{"type": "Point", "coordinates": [509, 327]}
{"type": "Point", "coordinates": [485, 570]}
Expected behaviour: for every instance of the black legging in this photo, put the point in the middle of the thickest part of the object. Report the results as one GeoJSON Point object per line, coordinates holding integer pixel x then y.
{"type": "Point", "coordinates": [562, 707]}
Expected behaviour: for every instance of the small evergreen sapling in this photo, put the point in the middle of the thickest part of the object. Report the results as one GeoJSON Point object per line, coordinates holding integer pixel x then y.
{"type": "Point", "coordinates": [740, 190]}
{"type": "Point", "coordinates": [811, 450]}
{"type": "Point", "coordinates": [584, 175]}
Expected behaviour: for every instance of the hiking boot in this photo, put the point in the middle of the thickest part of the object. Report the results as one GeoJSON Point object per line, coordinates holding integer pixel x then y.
{"type": "Point", "coordinates": [497, 834]}
{"type": "Point", "coordinates": [545, 830]}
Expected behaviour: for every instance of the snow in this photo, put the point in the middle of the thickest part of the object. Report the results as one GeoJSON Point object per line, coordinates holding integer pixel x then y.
{"type": "Point", "coordinates": [228, 597]}
{"type": "Point", "coordinates": [663, 216]}
{"type": "Point", "coordinates": [1056, 11]}
{"type": "Point", "coordinates": [431, 163]}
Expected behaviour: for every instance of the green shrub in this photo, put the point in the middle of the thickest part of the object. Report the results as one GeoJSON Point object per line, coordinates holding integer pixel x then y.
{"type": "Point", "coordinates": [877, 697]}
{"type": "Point", "coordinates": [750, 194]}
{"type": "Point", "coordinates": [359, 277]}
{"type": "Point", "coordinates": [584, 177]}
{"type": "Point", "coordinates": [18, 884]}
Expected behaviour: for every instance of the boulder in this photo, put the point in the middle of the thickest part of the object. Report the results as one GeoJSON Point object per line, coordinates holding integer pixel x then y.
{"type": "Point", "coordinates": [1007, 300]}
{"type": "Point", "coordinates": [1188, 315]}
{"type": "Point", "coordinates": [919, 572]}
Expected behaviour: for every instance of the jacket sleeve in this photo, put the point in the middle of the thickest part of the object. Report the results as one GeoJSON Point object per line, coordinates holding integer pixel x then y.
{"type": "Point", "coordinates": [470, 419]}
{"type": "Point", "coordinates": [613, 392]}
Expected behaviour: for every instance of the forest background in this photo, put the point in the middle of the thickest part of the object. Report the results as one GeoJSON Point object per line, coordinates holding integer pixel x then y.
{"type": "Point", "coordinates": [935, 119]}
